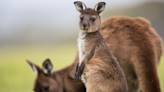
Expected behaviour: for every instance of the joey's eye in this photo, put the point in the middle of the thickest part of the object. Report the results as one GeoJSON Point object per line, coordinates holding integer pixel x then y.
{"type": "Point", "coordinates": [46, 88]}
{"type": "Point", "coordinates": [81, 18]}
{"type": "Point", "coordinates": [93, 19]}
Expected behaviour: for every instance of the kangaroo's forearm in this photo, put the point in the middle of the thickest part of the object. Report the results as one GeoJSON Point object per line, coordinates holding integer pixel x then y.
{"type": "Point", "coordinates": [80, 66]}
{"type": "Point", "coordinates": [87, 57]}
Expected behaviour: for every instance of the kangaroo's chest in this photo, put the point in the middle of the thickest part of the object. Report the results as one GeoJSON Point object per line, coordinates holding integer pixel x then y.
{"type": "Point", "coordinates": [82, 47]}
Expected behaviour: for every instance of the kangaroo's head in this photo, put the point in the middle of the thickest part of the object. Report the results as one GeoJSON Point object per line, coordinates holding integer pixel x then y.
{"type": "Point", "coordinates": [44, 82]}
{"type": "Point", "coordinates": [90, 19]}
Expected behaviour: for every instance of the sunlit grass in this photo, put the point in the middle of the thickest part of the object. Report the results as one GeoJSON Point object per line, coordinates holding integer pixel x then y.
{"type": "Point", "coordinates": [16, 75]}
{"type": "Point", "coordinates": [161, 73]}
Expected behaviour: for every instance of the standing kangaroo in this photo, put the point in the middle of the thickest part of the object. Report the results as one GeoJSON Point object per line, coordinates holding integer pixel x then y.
{"type": "Point", "coordinates": [97, 66]}
{"type": "Point", "coordinates": [48, 80]}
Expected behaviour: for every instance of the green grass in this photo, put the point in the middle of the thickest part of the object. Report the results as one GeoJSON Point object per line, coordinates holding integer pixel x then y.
{"type": "Point", "coordinates": [16, 75]}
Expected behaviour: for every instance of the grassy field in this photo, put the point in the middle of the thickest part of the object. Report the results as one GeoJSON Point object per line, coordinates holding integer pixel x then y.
{"type": "Point", "coordinates": [16, 75]}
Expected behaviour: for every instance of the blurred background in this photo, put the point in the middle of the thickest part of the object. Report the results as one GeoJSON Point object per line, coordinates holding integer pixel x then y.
{"type": "Point", "coordinates": [41, 29]}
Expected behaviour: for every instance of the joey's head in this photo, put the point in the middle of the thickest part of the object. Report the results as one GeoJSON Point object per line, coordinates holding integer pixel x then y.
{"type": "Point", "coordinates": [45, 82]}
{"type": "Point", "coordinates": [90, 19]}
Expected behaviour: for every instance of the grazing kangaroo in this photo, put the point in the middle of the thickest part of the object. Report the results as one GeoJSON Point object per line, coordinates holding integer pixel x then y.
{"type": "Point", "coordinates": [138, 49]}
{"type": "Point", "coordinates": [55, 81]}
{"type": "Point", "coordinates": [97, 66]}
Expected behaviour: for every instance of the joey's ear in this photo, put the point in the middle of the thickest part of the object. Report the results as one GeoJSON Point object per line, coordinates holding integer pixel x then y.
{"type": "Point", "coordinates": [34, 67]}
{"type": "Point", "coordinates": [47, 67]}
{"type": "Point", "coordinates": [80, 6]}
{"type": "Point", "coordinates": [100, 7]}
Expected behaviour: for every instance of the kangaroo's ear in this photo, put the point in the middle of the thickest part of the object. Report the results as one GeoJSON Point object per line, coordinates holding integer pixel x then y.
{"type": "Point", "coordinates": [47, 67]}
{"type": "Point", "coordinates": [80, 6]}
{"type": "Point", "coordinates": [100, 7]}
{"type": "Point", "coordinates": [34, 67]}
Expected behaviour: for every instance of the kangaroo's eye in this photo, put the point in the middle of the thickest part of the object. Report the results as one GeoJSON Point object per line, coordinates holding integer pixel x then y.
{"type": "Point", "coordinates": [93, 19]}
{"type": "Point", "coordinates": [81, 18]}
{"type": "Point", "coordinates": [46, 88]}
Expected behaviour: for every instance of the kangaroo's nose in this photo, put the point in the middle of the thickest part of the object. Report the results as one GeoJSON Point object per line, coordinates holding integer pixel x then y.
{"type": "Point", "coordinates": [84, 25]}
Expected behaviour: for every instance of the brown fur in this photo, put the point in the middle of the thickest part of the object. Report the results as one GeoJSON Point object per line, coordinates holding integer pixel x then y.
{"type": "Point", "coordinates": [98, 67]}
{"type": "Point", "coordinates": [125, 36]}
{"type": "Point", "coordinates": [60, 81]}
{"type": "Point", "coordinates": [89, 11]}
{"type": "Point", "coordinates": [138, 49]}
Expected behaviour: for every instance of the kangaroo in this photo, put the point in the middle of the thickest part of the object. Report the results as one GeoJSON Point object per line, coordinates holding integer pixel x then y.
{"type": "Point", "coordinates": [121, 35]}
{"type": "Point", "coordinates": [116, 31]}
{"type": "Point", "coordinates": [55, 81]}
{"type": "Point", "coordinates": [138, 49]}
{"type": "Point", "coordinates": [97, 66]}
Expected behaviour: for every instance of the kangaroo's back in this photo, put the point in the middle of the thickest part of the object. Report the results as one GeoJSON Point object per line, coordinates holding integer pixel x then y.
{"type": "Point", "coordinates": [138, 49]}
